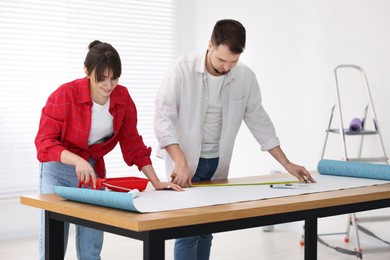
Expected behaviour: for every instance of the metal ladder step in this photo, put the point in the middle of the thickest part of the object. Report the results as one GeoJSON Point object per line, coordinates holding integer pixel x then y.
{"type": "Point", "coordinates": [347, 132]}
{"type": "Point", "coordinates": [368, 159]}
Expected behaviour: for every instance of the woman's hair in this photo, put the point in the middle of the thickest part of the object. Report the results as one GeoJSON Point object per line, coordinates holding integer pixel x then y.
{"type": "Point", "coordinates": [230, 33]}
{"type": "Point", "coordinates": [102, 56]}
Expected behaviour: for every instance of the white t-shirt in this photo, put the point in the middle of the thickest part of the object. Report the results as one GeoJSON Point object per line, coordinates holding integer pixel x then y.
{"type": "Point", "coordinates": [101, 124]}
{"type": "Point", "coordinates": [212, 125]}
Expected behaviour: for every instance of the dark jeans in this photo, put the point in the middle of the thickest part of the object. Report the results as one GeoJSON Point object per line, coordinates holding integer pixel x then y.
{"type": "Point", "coordinates": [197, 247]}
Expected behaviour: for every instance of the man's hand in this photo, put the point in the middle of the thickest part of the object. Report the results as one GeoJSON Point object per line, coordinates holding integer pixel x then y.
{"type": "Point", "coordinates": [299, 172]}
{"type": "Point", "coordinates": [181, 175]}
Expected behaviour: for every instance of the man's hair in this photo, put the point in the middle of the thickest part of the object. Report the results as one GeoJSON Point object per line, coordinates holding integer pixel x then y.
{"type": "Point", "coordinates": [230, 33]}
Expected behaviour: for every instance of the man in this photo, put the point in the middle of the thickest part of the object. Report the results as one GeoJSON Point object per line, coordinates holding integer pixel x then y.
{"type": "Point", "coordinates": [199, 109]}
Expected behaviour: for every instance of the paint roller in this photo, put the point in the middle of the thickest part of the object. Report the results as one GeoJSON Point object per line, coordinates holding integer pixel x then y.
{"type": "Point", "coordinates": [355, 126]}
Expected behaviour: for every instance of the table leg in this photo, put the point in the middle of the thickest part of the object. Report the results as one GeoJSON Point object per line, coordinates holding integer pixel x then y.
{"type": "Point", "coordinates": [154, 246]}
{"type": "Point", "coordinates": [54, 238]}
{"type": "Point", "coordinates": [311, 226]}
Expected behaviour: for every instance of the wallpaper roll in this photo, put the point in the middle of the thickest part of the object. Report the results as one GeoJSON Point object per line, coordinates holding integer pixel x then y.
{"type": "Point", "coordinates": [355, 126]}
{"type": "Point", "coordinates": [119, 200]}
{"type": "Point", "coordinates": [354, 169]}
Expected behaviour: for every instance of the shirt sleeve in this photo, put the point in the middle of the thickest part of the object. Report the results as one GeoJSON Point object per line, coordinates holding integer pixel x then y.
{"type": "Point", "coordinates": [133, 148]}
{"type": "Point", "coordinates": [257, 119]}
{"type": "Point", "coordinates": [47, 141]}
{"type": "Point", "coordinates": [166, 108]}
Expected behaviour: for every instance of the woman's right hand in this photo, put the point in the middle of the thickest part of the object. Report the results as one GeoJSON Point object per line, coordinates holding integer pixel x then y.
{"type": "Point", "coordinates": [84, 170]}
{"type": "Point", "coordinates": [85, 173]}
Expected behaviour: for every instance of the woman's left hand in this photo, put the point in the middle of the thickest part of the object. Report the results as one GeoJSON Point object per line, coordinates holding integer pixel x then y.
{"type": "Point", "coordinates": [167, 186]}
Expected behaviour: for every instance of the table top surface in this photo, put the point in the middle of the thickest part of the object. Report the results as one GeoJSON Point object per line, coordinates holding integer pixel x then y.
{"type": "Point", "coordinates": [176, 218]}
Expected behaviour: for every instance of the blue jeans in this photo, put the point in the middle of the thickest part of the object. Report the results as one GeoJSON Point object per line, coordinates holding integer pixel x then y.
{"type": "Point", "coordinates": [89, 241]}
{"type": "Point", "coordinates": [197, 247]}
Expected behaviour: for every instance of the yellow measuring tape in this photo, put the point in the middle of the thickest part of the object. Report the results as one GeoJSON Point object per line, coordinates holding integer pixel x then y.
{"type": "Point", "coordinates": [242, 184]}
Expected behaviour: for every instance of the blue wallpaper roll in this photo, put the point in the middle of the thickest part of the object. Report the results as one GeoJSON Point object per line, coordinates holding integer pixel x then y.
{"type": "Point", "coordinates": [119, 200]}
{"type": "Point", "coordinates": [354, 169]}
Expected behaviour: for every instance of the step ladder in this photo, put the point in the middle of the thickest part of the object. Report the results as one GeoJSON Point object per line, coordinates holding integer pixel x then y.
{"type": "Point", "coordinates": [363, 131]}
{"type": "Point", "coordinates": [344, 133]}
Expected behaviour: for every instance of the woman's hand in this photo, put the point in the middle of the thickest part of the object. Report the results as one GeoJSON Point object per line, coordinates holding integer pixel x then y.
{"type": "Point", "coordinates": [85, 172]}
{"type": "Point", "coordinates": [167, 186]}
{"type": "Point", "coordinates": [157, 184]}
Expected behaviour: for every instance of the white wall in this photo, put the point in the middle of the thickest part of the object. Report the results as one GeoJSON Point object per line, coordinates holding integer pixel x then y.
{"type": "Point", "coordinates": [293, 47]}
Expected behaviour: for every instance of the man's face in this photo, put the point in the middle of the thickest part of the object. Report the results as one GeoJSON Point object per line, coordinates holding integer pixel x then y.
{"type": "Point", "coordinates": [101, 90]}
{"type": "Point", "coordinates": [220, 60]}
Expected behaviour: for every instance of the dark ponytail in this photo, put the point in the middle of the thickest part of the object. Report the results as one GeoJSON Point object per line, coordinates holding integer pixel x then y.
{"type": "Point", "coordinates": [102, 56]}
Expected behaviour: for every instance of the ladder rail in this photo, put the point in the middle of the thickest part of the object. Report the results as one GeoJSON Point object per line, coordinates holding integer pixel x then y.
{"type": "Point", "coordinates": [363, 128]}
{"type": "Point", "coordinates": [327, 132]}
{"type": "Point", "coordinates": [376, 123]}
{"type": "Point", "coordinates": [338, 104]}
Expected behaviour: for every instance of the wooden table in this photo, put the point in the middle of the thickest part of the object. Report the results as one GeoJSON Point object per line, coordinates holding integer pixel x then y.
{"type": "Point", "coordinates": [154, 228]}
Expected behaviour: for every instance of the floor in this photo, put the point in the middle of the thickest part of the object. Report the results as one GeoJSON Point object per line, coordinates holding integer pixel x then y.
{"type": "Point", "coordinates": [281, 243]}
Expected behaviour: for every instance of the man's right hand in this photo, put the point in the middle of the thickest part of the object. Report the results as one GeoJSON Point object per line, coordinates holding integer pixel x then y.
{"type": "Point", "coordinates": [181, 175]}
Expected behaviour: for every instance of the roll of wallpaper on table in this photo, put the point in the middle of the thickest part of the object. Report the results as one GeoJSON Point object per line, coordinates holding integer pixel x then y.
{"type": "Point", "coordinates": [111, 199]}
{"type": "Point", "coordinates": [355, 126]}
{"type": "Point", "coordinates": [354, 169]}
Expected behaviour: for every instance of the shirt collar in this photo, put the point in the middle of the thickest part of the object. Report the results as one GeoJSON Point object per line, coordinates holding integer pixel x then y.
{"type": "Point", "coordinates": [85, 94]}
{"type": "Point", "coordinates": [117, 97]}
{"type": "Point", "coordinates": [201, 66]}
{"type": "Point", "coordinates": [84, 91]}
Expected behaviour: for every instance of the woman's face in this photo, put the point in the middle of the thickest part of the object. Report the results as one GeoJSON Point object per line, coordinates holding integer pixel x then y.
{"type": "Point", "coordinates": [101, 90]}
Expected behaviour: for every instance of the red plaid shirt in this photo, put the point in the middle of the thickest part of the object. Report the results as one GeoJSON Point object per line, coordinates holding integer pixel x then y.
{"type": "Point", "coordinates": [66, 122]}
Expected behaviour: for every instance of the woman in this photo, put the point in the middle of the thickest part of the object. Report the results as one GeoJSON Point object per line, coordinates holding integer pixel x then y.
{"type": "Point", "coordinates": [81, 122]}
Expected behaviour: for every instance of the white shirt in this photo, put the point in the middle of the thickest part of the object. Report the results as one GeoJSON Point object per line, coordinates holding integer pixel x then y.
{"type": "Point", "coordinates": [212, 125]}
{"type": "Point", "coordinates": [101, 124]}
{"type": "Point", "coordinates": [181, 108]}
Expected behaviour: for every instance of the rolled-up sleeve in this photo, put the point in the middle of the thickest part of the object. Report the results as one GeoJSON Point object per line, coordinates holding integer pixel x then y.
{"type": "Point", "coordinates": [132, 145]}
{"type": "Point", "coordinates": [167, 107]}
{"type": "Point", "coordinates": [47, 141]}
{"type": "Point", "coordinates": [257, 119]}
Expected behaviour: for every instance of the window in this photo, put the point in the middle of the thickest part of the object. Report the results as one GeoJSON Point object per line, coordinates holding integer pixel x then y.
{"type": "Point", "coordinates": [44, 44]}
